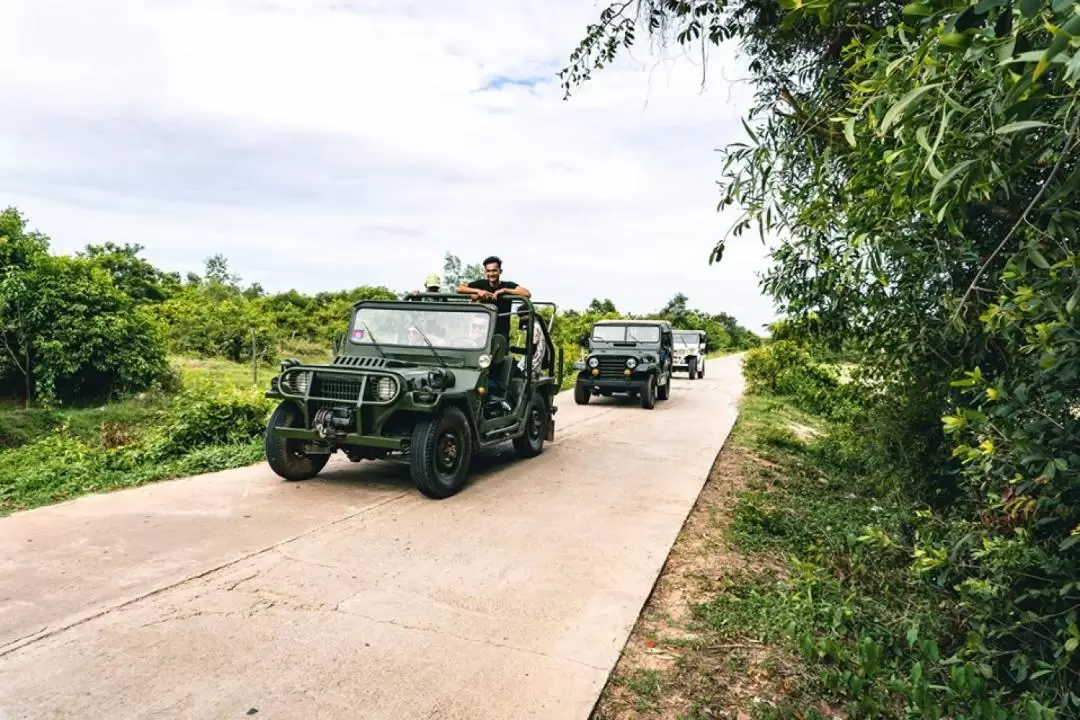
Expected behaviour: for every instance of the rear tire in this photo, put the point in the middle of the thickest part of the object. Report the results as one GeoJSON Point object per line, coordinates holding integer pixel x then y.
{"type": "Point", "coordinates": [648, 393]}
{"type": "Point", "coordinates": [581, 394]}
{"type": "Point", "coordinates": [440, 454]}
{"type": "Point", "coordinates": [691, 367]}
{"type": "Point", "coordinates": [286, 456]}
{"type": "Point", "coordinates": [701, 372]}
{"type": "Point", "coordinates": [531, 443]}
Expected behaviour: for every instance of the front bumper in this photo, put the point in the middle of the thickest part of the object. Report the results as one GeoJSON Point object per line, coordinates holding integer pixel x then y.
{"type": "Point", "coordinates": [372, 441]}
{"type": "Point", "coordinates": [623, 384]}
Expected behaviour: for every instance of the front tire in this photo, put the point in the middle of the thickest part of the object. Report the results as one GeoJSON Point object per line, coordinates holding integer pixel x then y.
{"type": "Point", "coordinates": [440, 454]}
{"type": "Point", "coordinates": [581, 394]}
{"type": "Point", "coordinates": [663, 392]}
{"type": "Point", "coordinates": [691, 366]}
{"type": "Point", "coordinates": [648, 393]}
{"type": "Point", "coordinates": [531, 443]}
{"type": "Point", "coordinates": [286, 456]}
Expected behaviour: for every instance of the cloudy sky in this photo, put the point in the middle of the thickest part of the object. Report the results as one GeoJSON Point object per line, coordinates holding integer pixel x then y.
{"type": "Point", "coordinates": [323, 144]}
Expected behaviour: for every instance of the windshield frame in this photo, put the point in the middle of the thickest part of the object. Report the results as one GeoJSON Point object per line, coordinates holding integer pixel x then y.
{"type": "Point", "coordinates": [625, 328]}
{"type": "Point", "coordinates": [687, 337]}
{"type": "Point", "coordinates": [421, 347]}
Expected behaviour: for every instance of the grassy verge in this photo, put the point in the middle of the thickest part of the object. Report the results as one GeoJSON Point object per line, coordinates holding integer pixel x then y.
{"type": "Point", "coordinates": [774, 603]}
{"type": "Point", "coordinates": [214, 422]}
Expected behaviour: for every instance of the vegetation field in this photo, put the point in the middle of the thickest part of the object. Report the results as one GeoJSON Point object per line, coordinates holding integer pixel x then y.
{"type": "Point", "coordinates": [115, 373]}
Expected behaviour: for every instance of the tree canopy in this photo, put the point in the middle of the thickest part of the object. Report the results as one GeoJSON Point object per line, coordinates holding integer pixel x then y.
{"type": "Point", "coordinates": [917, 162]}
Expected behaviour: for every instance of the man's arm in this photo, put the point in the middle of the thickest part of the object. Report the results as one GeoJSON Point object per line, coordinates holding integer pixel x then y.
{"type": "Point", "coordinates": [513, 289]}
{"type": "Point", "coordinates": [470, 289]}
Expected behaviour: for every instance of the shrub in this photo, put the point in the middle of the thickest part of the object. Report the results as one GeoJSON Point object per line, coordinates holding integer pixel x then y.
{"type": "Point", "coordinates": [204, 415]}
{"type": "Point", "coordinates": [787, 368]}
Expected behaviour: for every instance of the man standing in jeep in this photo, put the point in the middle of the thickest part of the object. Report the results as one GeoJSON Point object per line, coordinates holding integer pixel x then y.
{"type": "Point", "coordinates": [493, 289]}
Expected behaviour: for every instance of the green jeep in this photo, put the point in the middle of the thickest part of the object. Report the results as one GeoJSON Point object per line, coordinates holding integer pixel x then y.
{"type": "Point", "coordinates": [627, 356]}
{"type": "Point", "coordinates": [424, 379]}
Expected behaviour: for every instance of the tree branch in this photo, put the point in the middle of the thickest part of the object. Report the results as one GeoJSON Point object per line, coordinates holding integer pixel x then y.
{"type": "Point", "coordinates": [1070, 144]}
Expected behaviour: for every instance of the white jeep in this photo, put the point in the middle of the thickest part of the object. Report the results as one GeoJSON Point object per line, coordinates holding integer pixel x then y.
{"type": "Point", "coordinates": [689, 347]}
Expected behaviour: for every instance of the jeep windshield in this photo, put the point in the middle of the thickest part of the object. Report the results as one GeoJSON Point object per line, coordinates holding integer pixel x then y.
{"type": "Point", "coordinates": [688, 339]}
{"type": "Point", "coordinates": [446, 329]}
{"type": "Point", "coordinates": [626, 333]}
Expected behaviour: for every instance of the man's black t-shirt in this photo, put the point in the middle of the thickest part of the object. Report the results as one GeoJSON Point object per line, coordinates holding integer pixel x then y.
{"type": "Point", "coordinates": [503, 303]}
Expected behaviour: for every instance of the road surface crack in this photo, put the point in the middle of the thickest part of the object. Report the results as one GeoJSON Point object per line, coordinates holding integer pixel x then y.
{"type": "Point", "coordinates": [466, 638]}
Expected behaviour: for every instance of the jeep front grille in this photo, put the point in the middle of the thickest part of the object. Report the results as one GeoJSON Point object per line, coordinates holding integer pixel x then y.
{"type": "Point", "coordinates": [379, 388]}
{"type": "Point", "coordinates": [611, 366]}
{"type": "Point", "coordinates": [338, 388]}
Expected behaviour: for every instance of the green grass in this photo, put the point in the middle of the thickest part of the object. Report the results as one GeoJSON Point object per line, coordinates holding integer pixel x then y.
{"type": "Point", "coordinates": [814, 619]}
{"type": "Point", "coordinates": [50, 455]}
{"type": "Point", "coordinates": [849, 610]}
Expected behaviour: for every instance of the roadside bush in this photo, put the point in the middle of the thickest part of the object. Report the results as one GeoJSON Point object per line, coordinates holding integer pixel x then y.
{"type": "Point", "coordinates": [60, 466]}
{"type": "Point", "coordinates": [205, 415]}
{"type": "Point", "coordinates": [787, 368]}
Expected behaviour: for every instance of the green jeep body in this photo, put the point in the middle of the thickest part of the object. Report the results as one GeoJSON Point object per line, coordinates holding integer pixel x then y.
{"type": "Point", "coordinates": [424, 379]}
{"type": "Point", "coordinates": [627, 356]}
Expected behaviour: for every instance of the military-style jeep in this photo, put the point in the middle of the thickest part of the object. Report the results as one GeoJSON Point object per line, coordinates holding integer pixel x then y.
{"type": "Point", "coordinates": [627, 356]}
{"type": "Point", "coordinates": [690, 347]}
{"type": "Point", "coordinates": [425, 379]}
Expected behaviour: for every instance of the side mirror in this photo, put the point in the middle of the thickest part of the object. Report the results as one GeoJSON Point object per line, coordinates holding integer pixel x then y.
{"type": "Point", "coordinates": [339, 340]}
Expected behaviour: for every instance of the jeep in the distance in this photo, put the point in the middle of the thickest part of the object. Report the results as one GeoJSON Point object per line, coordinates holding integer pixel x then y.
{"type": "Point", "coordinates": [631, 357]}
{"type": "Point", "coordinates": [690, 347]}
{"type": "Point", "coordinates": [424, 380]}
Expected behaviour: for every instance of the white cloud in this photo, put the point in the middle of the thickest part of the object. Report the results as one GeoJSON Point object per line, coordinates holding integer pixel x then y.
{"type": "Point", "coordinates": [321, 144]}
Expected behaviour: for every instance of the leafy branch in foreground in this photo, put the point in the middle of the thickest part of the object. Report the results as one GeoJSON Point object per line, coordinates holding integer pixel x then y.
{"type": "Point", "coordinates": [925, 183]}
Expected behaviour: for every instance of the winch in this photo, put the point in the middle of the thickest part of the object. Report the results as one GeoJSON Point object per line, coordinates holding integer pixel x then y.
{"type": "Point", "coordinates": [334, 421]}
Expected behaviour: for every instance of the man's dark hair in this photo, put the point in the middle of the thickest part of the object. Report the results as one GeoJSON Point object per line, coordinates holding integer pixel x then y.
{"type": "Point", "coordinates": [492, 259]}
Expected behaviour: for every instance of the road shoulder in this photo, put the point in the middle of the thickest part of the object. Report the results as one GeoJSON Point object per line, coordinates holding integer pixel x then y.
{"type": "Point", "coordinates": [688, 656]}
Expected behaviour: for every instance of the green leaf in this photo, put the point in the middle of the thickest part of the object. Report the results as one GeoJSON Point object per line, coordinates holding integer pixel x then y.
{"type": "Point", "coordinates": [1028, 8]}
{"type": "Point", "coordinates": [1071, 304]}
{"type": "Point", "coordinates": [918, 9]}
{"type": "Point", "coordinates": [920, 137]}
{"type": "Point", "coordinates": [1037, 258]}
{"type": "Point", "coordinates": [849, 131]}
{"type": "Point", "coordinates": [1071, 644]}
{"type": "Point", "coordinates": [1060, 42]}
{"type": "Point", "coordinates": [748, 130]}
{"type": "Point", "coordinates": [947, 178]}
{"type": "Point", "coordinates": [896, 112]}
{"type": "Point", "coordinates": [1020, 125]}
{"type": "Point", "coordinates": [1069, 542]}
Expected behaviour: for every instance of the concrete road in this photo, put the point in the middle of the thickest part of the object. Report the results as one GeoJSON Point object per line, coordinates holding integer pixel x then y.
{"type": "Point", "coordinates": [235, 594]}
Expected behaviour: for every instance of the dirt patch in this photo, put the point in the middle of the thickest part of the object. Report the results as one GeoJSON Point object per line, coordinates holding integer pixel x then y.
{"type": "Point", "coordinates": [674, 667]}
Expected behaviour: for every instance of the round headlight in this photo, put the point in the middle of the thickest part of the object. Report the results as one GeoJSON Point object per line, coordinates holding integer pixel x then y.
{"type": "Point", "coordinates": [631, 363]}
{"type": "Point", "coordinates": [485, 361]}
{"type": "Point", "coordinates": [593, 362]}
{"type": "Point", "coordinates": [297, 383]}
{"type": "Point", "coordinates": [385, 389]}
